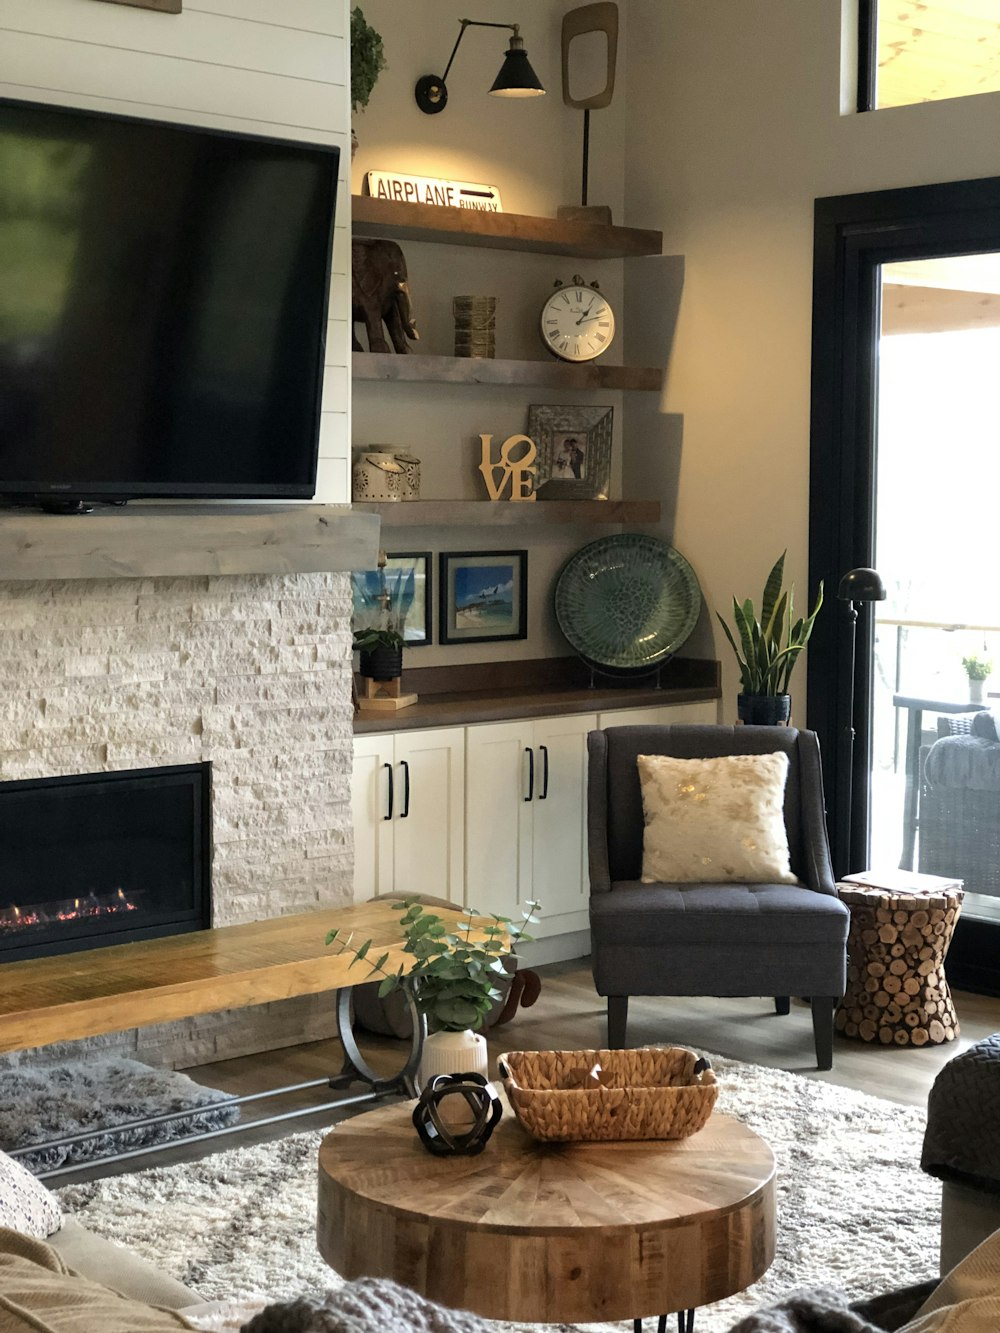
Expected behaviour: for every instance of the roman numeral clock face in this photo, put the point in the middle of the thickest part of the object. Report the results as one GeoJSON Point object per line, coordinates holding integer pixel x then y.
{"type": "Point", "coordinates": [577, 323]}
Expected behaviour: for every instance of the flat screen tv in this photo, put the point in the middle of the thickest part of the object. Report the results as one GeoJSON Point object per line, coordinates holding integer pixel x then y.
{"type": "Point", "coordinates": [163, 307]}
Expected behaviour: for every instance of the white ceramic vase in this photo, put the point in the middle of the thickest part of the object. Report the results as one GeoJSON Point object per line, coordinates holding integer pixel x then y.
{"type": "Point", "coordinates": [976, 691]}
{"type": "Point", "coordinates": [453, 1053]}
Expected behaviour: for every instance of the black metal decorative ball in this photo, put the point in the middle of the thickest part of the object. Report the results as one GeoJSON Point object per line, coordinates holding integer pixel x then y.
{"type": "Point", "coordinates": [442, 1131]}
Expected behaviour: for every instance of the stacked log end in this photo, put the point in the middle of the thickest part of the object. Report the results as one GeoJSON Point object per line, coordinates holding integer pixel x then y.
{"type": "Point", "coordinates": [897, 993]}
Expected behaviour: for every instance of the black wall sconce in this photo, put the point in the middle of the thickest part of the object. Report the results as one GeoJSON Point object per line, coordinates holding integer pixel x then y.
{"type": "Point", "coordinates": [516, 77]}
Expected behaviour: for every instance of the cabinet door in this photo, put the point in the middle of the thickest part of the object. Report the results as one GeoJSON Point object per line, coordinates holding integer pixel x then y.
{"type": "Point", "coordinates": [370, 809]}
{"type": "Point", "coordinates": [661, 715]}
{"type": "Point", "coordinates": [498, 817]}
{"type": "Point", "coordinates": [560, 879]}
{"type": "Point", "coordinates": [428, 821]}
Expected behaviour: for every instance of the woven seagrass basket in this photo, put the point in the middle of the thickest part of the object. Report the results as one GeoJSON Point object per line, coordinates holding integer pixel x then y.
{"type": "Point", "coordinates": [649, 1093]}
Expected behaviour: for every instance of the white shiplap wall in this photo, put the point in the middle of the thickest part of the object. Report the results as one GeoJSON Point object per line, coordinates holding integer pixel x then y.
{"type": "Point", "coordinates": [276, 67]}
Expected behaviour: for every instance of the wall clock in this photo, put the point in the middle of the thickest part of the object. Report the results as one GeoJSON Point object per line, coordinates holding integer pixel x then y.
{"type": "Point", "coordinates": [577, 323]}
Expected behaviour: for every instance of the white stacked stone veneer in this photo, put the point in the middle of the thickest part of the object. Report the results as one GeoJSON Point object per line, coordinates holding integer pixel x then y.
{"type": "Point", "coordinates": [250, 672]}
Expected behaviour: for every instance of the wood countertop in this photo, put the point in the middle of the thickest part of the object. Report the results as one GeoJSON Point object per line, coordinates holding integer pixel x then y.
{"type": "Point", "coordinates": [463, 707]}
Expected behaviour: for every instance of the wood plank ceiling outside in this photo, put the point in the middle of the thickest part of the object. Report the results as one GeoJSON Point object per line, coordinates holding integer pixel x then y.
{"type": "Point", "coordinates": [933, 49]}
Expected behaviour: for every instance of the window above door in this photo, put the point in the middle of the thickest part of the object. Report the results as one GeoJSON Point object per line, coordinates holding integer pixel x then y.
{"type": "Point", "coordinates": [926, 50]}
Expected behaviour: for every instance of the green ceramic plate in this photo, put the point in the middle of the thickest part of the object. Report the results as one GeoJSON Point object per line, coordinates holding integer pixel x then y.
{"type": "Point", "coordinates": [627, 601]}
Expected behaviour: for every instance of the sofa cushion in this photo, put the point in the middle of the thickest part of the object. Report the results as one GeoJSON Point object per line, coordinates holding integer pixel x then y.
{"type": "Point", "coordinates": [715, 820]}
{"type": "Point", "coordinates": [964, 761]}
{"type": "Point", "coordinates": [95, 1257]}
{"type": "Point", "coordinates": [25, 1204]}
{"type": "Point", "coordinates": [986, 724]}
{"type": "Point", "coordinates": [39, 1294]}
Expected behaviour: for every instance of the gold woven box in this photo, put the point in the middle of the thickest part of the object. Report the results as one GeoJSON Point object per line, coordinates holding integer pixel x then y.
{"type": "Point", "coordinates": [650, 1093]}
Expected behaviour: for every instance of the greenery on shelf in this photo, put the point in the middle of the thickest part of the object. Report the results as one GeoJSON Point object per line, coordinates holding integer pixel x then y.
{"type": "Point", "coordinates": [770, 646]}
{"type": "Point", "coordinates": [382, 600]}
{"type": "Point", "coordinates": [453, 979]}
{"type": "Point", "coordinates": [367, 59]}
{"type": "Point", "coordinates": [367, 640]}
{"type": "Point", "coordinates": [977, 668]}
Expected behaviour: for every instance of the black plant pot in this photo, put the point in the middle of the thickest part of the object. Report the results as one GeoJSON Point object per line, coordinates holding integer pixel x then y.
{"type": "Point", "coordinates": [764, 710]}
{"type": "Point", "coordinates": [382, 663]}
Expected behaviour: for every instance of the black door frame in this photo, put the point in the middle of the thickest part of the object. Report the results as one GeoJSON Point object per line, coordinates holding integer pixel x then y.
{"type": "Point", "coordinates": [854, 235]}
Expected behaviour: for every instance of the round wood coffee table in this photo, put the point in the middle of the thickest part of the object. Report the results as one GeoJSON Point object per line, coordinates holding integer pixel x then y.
{"type": "Point", "coordinates": [549, 1232]}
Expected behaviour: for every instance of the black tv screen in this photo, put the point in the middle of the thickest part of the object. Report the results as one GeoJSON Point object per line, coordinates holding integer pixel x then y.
{"type": "Point", "coordinates": [163, 307]}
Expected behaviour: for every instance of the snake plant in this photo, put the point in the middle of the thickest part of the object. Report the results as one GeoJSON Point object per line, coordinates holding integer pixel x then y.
{"type": "Point", "coordinates": [769, 647]}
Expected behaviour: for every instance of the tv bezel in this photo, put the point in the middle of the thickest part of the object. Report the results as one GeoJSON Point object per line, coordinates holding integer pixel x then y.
{"type": "Point", "coordinates": [69, 494]}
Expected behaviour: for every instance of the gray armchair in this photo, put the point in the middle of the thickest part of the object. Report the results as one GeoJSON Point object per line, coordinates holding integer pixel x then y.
{"type": "Point", "coordinates": [712, 939]}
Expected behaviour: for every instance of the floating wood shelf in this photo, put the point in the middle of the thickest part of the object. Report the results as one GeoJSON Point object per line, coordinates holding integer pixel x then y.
{"type": "Point", "coordinates": [387, 367]}
{"type": "Point", "coordinates": [158, 540]}
{"type": "Point", "coordinates": [499, 231]}
{"type": "Point", "coordinates": [486, 514]}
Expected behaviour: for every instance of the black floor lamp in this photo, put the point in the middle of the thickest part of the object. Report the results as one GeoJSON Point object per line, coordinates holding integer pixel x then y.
{"type": "Point", "coordinates": [857, 588]}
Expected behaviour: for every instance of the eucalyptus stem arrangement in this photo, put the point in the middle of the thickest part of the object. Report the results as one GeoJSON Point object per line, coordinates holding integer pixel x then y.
{"type": "Point", "coordinates": [453, 978]}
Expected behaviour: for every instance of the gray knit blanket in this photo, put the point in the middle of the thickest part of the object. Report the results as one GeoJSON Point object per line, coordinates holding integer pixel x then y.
{"type": "Point", "coordinates": [376, 1305]}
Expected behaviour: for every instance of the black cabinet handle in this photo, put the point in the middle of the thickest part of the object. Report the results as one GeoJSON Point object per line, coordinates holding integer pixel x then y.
{"type": "Point", "coordinates": [545, 772]}
{"type": "Point", "coordinates": [404, 813]}
{"type": "Point", "coordinates": [388, 814]}
{"type": "Point", "coordinates": [531, 773]}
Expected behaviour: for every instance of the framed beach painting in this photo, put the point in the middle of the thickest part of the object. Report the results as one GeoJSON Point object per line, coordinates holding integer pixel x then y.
{"type": "Point", "coordinates": [483, 596]}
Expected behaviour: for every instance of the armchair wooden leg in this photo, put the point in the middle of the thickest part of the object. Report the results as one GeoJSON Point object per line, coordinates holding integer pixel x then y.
{"type": "Point", "coordinates": [617, 1021]}
{"type": "Point", "coordinates": [822, 1016]}
{"type": "Point", "coordinates": [782, 1004]}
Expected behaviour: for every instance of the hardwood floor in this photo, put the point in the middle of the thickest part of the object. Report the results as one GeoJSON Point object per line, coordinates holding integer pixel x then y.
{"type": "Point", "coordinates": [570, 1015]}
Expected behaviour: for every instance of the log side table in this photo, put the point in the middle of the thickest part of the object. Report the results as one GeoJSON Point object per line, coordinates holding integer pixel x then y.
{"type": "Point", "coordinates": [897, 992]}
{"type": "Point", "coordinates": [549, 1233]}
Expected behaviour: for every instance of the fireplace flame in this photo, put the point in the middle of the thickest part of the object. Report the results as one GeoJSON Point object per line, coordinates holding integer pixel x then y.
{"type": "Point", "coordinates": [15, 918]}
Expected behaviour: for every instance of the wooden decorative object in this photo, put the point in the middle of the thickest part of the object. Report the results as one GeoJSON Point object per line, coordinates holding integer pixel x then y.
{"type": "Point", "coordinates": [601, 17]}
{"type": "Point", "coordinates": [380, 294]}
{"type": "Point", "coordinates": [897, 992]}
{"type": "Point", "coordinates": [517, 474]}
{"type": "Point", "coordinates": [161, 6]}
{"type": "Point", "coordinates": [383, 695]}
{"type": "Point", "coordinates": [549, 1233]}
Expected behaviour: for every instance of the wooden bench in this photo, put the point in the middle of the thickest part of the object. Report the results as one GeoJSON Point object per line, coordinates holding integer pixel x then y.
{"type": "Point", "coordinates": [87, 994]}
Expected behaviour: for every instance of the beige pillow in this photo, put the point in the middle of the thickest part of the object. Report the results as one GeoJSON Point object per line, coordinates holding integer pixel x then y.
{"type": "Point", "coordinates": [966, 1300]}
{"type": "Point", "coordinates": [25, 1204]}
{"type": "Point", "coordinates": [714, 821]}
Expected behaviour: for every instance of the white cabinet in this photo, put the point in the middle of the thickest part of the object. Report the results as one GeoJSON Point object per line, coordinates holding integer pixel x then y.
{"type": "Point", "coordinates": [526, 787]}
{"type": "Point", "coordinates": [661, 715]}
{"type": "Point", "coordinates": [492, 815]}
{"type": "Point", "coordinates": [408, 799]}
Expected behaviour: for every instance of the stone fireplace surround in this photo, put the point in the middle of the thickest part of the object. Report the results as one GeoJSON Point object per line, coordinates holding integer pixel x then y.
{"type": "Point", "coordinates": [251, 672]}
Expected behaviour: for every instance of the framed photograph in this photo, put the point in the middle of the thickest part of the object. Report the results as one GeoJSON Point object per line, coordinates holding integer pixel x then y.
{"type": "Point", "coordinates": [574, 451]}
{"type": "Point", "coordinates": [484, 596]}
{"type": "Point", "coordinates": [396, 596]}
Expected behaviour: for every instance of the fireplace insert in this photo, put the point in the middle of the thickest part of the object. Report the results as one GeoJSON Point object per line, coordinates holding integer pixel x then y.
{"type": "Point", "coordinates": [104, 858]}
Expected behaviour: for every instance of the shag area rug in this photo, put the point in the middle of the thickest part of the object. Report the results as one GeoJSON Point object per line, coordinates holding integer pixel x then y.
{"type": "Point", "coordinates": [42, 1103]}
{"type": "Point", "coordinates": [854, 1210]}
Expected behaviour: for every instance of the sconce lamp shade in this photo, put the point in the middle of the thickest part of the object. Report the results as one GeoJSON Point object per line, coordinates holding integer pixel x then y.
{"type": "Point", "coordinates": [516, 77]}
{"type": "Point", "coordinates": [861, 585]}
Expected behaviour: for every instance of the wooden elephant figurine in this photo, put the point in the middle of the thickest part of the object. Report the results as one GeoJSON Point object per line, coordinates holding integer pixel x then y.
{"type": "Point", "coordinates": [379, 292]}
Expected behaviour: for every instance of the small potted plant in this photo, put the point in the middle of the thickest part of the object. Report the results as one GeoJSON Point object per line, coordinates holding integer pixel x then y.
{"type": "Point", "coordinates": [768, 648]}
{"type": "Point", "coordinates": [367, 63]}
{"type": "Point", "coordinates": [453, 981]}
{"type": "Point", "coordinates": [384, 598]}
{"type": "Point", "coordinates": [381, 653]}
{"type": "Point", "coordinates": [977, 669]}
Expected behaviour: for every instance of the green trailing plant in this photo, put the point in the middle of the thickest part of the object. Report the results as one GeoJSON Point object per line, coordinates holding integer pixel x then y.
{"type": "Point", "coordinates": [977, 668]}
{"type": "Point", "coordinates": [453, 980]}
{"type": "Point", "coordinates": [769, 647]}
{"type": "Point", "coordinates": [367, 59]}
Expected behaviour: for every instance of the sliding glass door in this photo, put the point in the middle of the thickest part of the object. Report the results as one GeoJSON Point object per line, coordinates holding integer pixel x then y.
{"type": "Point", "coordinates": [906, 478]}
